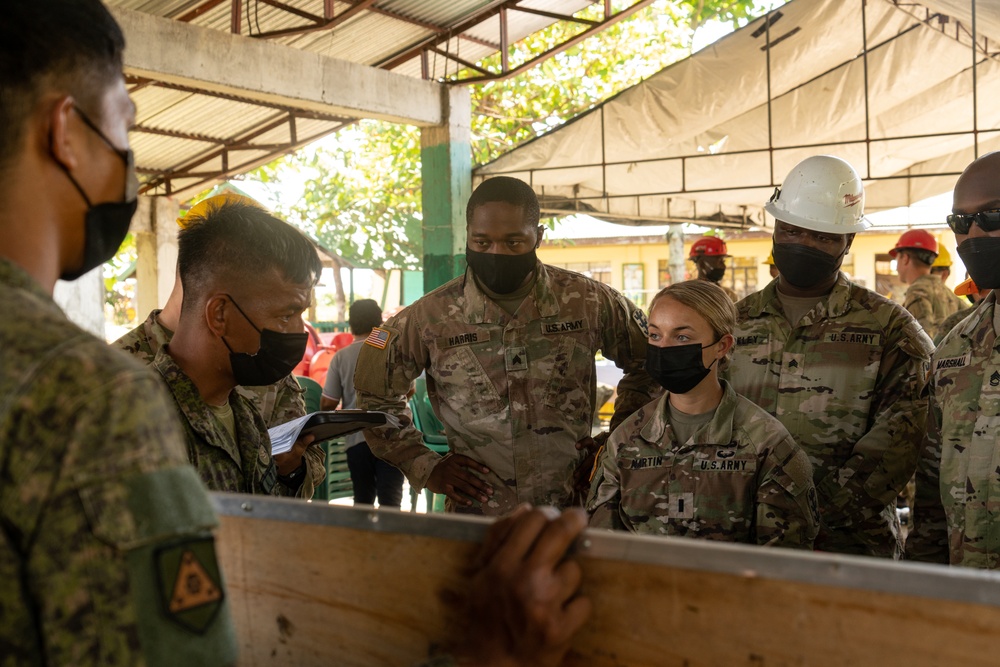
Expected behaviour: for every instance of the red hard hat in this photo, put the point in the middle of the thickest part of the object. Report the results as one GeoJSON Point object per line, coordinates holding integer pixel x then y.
{"type": "Point", "coordinates": [918, 239]}
{"type": "Point", "coordinates": [708, 246]}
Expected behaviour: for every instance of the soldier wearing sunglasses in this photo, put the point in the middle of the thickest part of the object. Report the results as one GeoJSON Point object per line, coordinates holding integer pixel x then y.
{"type": "Point", "coordinates": [957, 477]}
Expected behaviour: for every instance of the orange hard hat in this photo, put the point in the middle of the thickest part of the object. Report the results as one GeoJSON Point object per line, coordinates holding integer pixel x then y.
{"type": "Point", "coordinates": [966, 287]}
{"type": "Point", "coordinates": [708, 246]}
{"type": "Point", "coordinates": [917, 239]}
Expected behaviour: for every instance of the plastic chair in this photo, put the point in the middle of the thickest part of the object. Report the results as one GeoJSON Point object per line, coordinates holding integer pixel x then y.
{"type": "Point", "coordinates": [319, 366]}
{"type": "Point", "coordinates": [342, 340]}
{"type": "Point", "coordinates": [432, 432]}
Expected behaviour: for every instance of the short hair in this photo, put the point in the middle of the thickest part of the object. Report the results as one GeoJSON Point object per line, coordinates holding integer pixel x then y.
{"type": "Point", "coordinates": [923, 256]}
{"type": "Point", "coordinates": [72, 46]}
{"type": "Point", "coordinates": [707, 299]}
{"type": "Point", "coordinates": [234, 243]}
{"type": "Point", "coordinates": [364, 316]}
{"type": "Point", "coordinates": [508, 190]}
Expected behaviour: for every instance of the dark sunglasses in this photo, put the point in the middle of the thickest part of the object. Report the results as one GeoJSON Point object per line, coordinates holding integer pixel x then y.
{"type": "Point", "coordinates": [961, 223]}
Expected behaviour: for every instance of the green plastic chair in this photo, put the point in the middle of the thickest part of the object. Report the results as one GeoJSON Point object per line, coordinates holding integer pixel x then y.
{"type": "Point", "coordinates": [337, 481]}
{"type": "Point", "coordinates": [432, 431]}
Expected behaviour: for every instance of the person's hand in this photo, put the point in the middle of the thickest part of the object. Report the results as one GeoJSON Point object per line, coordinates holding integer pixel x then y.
{"type": "Point", "coordinates": [290, 461]}
{"type": "Point", "coordinates": [451, 477]}
{"type": "Point", "coordinates": [524, 606]}
{"type": "Point", "coordinates": [581, 476]}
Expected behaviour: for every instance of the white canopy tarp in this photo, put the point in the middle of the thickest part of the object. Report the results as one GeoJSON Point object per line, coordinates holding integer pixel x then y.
{"type": "Point", "coordinates": [703, 140]}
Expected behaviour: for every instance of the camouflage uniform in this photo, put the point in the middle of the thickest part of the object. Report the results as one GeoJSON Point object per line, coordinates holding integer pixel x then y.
{"type": "Point", "coordinates": [930, 302]}
{"type": "Point", "coordinates": [514, 393]}
{"type": "Point", "coordinates": [276, 403]}
{"type": "Point", "coordinates": [740, 478]}
{"type": "Point", "coordinates": [96, 500]}
{"type": "Point", "coordinates": [847, 382]}
{"type": "Point", "coordinates": [730, 293]}
{"type": "Point", "coordinates": [958, 479]}
{"type": "Point", "coordinates": [951, 322]}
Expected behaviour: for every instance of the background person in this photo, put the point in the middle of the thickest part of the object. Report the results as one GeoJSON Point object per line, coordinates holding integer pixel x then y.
{"type": "Point", "coordinates": [843, 368]}
{"type": "Point", "coordinates": [702, 461]}
{"type": "Point", "coordinates": [927, 299]}
{"type": "Point", "coordinates": [371, 477]}
{"type": "Point", "coordinates": [709, 255]}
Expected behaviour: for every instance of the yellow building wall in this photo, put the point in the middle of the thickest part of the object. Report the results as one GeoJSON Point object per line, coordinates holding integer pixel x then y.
{"type": "Point", "coordinates": [861, 259]}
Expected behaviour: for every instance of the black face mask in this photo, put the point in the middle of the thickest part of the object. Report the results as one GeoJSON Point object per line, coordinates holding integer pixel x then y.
{"type": "Point", "coordinates": [803, 266]}
{"type": "Point", "coordinates": [678, 368]}
{"type": "Point", "coordinates": [981, 256]}
{"type": "Point", "coordinates": [715, 275]}
{"type": "Point", "coordinates": [501, 274]}
{"type": "Point", "coordinates": [279, 353]}
{"type": "Point", "coordinates": [105, 225]}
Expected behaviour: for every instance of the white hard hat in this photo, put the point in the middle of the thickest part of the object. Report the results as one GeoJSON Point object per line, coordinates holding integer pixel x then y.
{"type": "Point", "coordinates": [822, 193]}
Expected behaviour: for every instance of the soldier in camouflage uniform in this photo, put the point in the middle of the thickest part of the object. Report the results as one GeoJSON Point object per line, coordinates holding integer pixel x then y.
{"type": "Point", "coordinates": [842, 367]}
{"type": "Point", "coordinates": [108, 556]}
{"type": "Point", "coordinates": [702, 461]}
{"type": "Point", "coordinates": [247, 278]}
{"type": "Point", "coordinates": [957, 481]}
{"type": "Point", "coordinates": [508, 350]}
{"type": "Point", "coordinates": [927, 298]}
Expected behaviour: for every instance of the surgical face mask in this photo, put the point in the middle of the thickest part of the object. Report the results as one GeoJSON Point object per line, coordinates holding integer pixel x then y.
{"type": "Point", "coordinates": [279, 353]}
{"type": "Point", "coordinates": [804, 266]}
{"type": "Point", "coordinates": [105, 225]}
{"type": "Point", "coordinates": [501, 274]}
{"type": "Point", "coordinates": [678, 368]}
{"type": "Point", "coordinates": [981, 256]}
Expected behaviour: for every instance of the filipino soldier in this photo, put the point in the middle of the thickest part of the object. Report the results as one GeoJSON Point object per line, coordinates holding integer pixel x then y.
{"type": "Point", "coordinates": [277, 403]}
{"type": "Point", "coordinates": [957, 481]}
{"type": "Point", "coordinates": [108, 556]}
{"type": "Point", "coordinates": [702, 461]}
{"type": "Point", "coordinates": [508, 349]}
{"type": "Point", "coordinates": [842, 367]}
{"type": "Point", "coordinates": [927, 299]}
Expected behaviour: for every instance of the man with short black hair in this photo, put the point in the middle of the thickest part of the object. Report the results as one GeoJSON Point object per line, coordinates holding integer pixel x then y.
{"type": "Point", "coordinates": [247, 278]}
{"type": "Point", "coordinates": [373, 479]}
{"type": "Point", "coordinates": [508, 349]}
{"type": "Point", "coordinates": [927, 299]}
{"type": "Point", "coordinates": [99, 507]}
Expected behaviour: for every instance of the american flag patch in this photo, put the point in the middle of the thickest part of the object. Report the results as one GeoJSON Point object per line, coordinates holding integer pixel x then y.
{"type": "Point", "coordinates": [378, 338]}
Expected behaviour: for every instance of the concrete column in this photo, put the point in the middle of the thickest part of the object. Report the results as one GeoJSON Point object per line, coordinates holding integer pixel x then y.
{"type": "Point", "coordinates": [155, 231]}
{"type": "Point", "coordinates": [675, 237]}
{"type": "Point", "coordinates": [83, 301]}
{"type": "Point", "coordinates": [446, 172]}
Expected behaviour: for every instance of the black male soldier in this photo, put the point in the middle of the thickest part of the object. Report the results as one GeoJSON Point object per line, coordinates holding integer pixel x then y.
{"type": "Point", "coordinates": [842, 367]}
{"type": "Point", "coordinates": [508, 349]}
{"type": "Point", "coordinates": [107, 556]}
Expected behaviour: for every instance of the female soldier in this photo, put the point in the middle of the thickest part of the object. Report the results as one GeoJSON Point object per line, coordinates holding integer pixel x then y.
{"type": "Point", "coordinates": [702, 461]}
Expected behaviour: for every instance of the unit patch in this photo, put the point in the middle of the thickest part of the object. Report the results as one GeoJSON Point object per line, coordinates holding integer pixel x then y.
{"type": "Point", "coordinates": [516, 358]}
{"type": "Point", "coordinates": [860, 338]}
{"type": "Point", "coordinates": [190, 583]}
{"type": "Point", "coordinates": [563, 327]}
{"type": "Point", "coordinates": [640, 319]}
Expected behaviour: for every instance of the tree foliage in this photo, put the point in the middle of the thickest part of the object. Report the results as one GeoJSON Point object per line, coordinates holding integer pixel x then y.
{"type": "Point", "coordinates": [362, 187]}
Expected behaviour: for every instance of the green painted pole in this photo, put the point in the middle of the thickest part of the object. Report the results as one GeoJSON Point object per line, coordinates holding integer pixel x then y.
{"type": "Point", "coordinates": [446, 172]}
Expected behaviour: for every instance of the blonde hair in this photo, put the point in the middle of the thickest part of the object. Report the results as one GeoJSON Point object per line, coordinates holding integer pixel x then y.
{"type": "Point", "coordinates": [707, 299]}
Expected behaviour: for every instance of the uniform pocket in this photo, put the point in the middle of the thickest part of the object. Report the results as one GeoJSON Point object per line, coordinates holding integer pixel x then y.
{"type": "Point", "coordinates": [464, 385]}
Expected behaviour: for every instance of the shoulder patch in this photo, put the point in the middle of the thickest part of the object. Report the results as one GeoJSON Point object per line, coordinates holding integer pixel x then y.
{"type": "Point", "coordinates": [379, 338]}
{"type": "Point", "coordinates": [190, 583]}
{"type": "Point", "coordinates": [640, 319]}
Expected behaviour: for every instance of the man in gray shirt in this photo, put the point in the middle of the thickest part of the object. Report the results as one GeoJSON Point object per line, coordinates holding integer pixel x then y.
{"type": "Point", "coordinates": [371, 476]}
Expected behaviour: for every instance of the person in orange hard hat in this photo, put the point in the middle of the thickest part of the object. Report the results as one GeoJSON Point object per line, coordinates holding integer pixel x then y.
{"type": "Point", "coordinates": [927, 299]}
{"type": "Point", "coordinates": [709, 256]}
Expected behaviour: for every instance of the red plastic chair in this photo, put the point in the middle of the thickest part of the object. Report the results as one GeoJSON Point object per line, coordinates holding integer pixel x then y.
{"type": "Point", "coordinates": [319, 365]}
{"type": "Point", "coordinates": [342, 340]}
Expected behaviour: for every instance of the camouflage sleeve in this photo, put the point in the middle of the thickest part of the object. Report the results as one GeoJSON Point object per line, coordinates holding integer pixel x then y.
{"type": "Point", "coordinates": [927, 540]}
{"type": "Point", "coordinates": [289, 403]}
{"type": "Point", "coordinates": [624, 342]}
{"type": "Point", "coordinates": [114, 532]}
{"type": "Point", "coordinates": [884, 458]}
{"type": "Point", "coordinates": [919, 304]}
{"type": "Point", "coordinates": [787, 506]}
{"type": "Point", "coordinates": [382, 380]}
{"type": "Point", "coordinates": [605, 488]}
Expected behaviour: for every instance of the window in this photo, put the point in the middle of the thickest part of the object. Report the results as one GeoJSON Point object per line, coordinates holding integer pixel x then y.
{"type": "Point", "coordinates": [599, 271]}
{"type": "Point", "coordinates": [634, 283]}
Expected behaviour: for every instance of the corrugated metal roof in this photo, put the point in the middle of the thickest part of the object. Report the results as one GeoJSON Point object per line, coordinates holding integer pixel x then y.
{"type": "Point", "coordinates": [184, 132]}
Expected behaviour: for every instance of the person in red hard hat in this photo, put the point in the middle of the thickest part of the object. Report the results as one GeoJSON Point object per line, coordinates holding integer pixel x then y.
{"type": "Point", "coordinates": [709, 254]}
{"type": "Point", "coordinates": [927, 298]}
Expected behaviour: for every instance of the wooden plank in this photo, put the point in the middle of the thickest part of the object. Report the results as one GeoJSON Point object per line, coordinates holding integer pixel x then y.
{"type": "Point", "coordinates": [352, 586]}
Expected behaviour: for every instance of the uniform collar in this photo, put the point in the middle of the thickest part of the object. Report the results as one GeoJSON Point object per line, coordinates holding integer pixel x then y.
{"type": "Point", "coordinates": [835, 304]}
{"type": "Point", "coordinates": [155, 333]}
{"type": "Point", "coordinates": [479, 308]}
{"type": "Point", "coordinates": [718, 431]}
